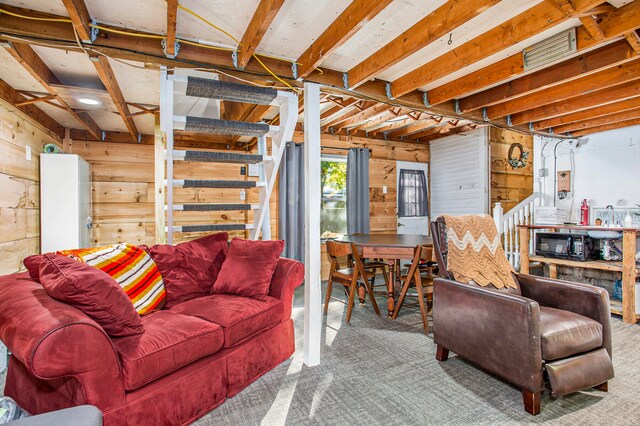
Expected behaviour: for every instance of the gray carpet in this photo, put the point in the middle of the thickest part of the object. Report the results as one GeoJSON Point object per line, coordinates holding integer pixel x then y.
{"type": "Point", "coordinates": [375, 371]}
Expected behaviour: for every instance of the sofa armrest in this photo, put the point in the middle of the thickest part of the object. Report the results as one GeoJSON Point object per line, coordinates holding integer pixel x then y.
{"type": "Point", "coordinates": [587, 300]}
{"type": "Point", "coordinates": [499, 332]}
{"type": "Point", "coordinates": [54, 340]}
{"type": "Point", "coordinates": [288, 276]}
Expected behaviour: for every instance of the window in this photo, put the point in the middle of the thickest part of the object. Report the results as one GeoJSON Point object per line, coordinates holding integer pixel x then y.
{"type": "Point", "coordinates": [412, 194]}
{"type": "Point", "coordinates": [333, 212]}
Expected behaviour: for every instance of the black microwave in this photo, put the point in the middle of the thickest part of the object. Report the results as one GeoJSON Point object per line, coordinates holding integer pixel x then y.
{"type": "Point", "coordinates": [565, 246]}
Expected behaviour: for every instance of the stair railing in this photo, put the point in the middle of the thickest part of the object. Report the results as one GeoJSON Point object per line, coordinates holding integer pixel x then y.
{"type": "Point", "coordinates": [507, 225]}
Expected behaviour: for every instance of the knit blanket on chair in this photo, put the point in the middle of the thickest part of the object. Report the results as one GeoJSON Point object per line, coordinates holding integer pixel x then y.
{"type": "Point", "coordinates": [475, 254]}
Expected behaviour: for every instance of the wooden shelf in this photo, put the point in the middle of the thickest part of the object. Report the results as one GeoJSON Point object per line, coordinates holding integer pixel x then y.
{"type": "Point", "coordinates": [602, 265]}
{"type": "Point", "coordinates": [581, 228]}
{"type": "Point", "coordinates": [616, 308]}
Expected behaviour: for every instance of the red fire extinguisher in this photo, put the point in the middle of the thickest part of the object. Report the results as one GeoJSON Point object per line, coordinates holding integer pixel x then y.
{"type": "Point", "coordinates": [584, 213]}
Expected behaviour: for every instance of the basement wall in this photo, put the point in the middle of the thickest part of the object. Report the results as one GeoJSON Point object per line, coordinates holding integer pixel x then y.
{"type": "Point", "coordinates": [607, 171]}
{"type": "Point", "coordinates": [19, 187]}
{"type": "Point", "coordinates": [509, 186]}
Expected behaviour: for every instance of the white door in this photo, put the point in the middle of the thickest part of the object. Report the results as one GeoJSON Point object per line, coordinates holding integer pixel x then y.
{"type": "Point", "coordinates": [413, 217]}
{"type": "Point", "coordinates": [460, 174]}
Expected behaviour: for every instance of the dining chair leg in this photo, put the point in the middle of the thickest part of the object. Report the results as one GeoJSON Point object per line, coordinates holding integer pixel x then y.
{"type": "Point", "coordinates": [372, 297]}
{"type": "Point", "coordinates": [328, 296]}
{"type": "Point", "coordinates": [421, 301]}
{"type": "Point", "coordinates": [403, 294]}
{"type": "Point", "coordinates": [350, 303]}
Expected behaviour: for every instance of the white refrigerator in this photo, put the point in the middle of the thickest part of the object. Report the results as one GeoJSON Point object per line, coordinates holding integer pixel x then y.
{"type": "Point", "coordinates": [65, 202]}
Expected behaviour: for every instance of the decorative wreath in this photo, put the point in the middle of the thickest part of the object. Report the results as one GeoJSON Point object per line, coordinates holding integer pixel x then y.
{"type": "Point", "coordinates": [519, 161]}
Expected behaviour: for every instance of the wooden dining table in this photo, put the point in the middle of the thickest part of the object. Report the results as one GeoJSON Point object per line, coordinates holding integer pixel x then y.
{"type": "Point", "coordinates": [393, 248]}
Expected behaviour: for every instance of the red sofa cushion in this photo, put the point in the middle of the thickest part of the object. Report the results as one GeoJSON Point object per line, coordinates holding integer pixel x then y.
{"type": "Point", "coordinates": [91, 291]}
{"type": "Point", "coordinates": [240, 317]}
{"type": "Point", "coordinates": [170, 341]}
{"type": "Point", "coordinates": [190, 269]}
{"type": "Point", "coordinates": [248, 268]}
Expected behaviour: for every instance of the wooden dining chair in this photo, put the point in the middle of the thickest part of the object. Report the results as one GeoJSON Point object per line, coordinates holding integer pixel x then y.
{"type": "Point", "coordinates": [347, 276]}
{"type": "Point", "coordinates": [421, 277]}
{"type": "Point", "coordinates": [373, 267]}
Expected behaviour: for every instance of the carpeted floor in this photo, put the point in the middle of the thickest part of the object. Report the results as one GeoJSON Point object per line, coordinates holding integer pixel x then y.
{"type": "Point", "coordinates": [375, 371]}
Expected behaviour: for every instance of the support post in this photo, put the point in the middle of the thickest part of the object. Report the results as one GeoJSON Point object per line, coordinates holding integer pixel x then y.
{"type": "Point", "coordinates": [523, 233]}
{"type": "Point", "coordinates": [166, 125]}
{"type": "Point", "coordinates": [158, 159]}
{"type": "Point", "coordinates": [629, 276]}
{"type": "Point", "coordinates": [497, 216]}
{"type": "Point", "coordinates": [312, 257]}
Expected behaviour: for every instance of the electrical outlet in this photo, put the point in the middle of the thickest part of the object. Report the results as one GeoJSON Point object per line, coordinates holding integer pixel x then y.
{"type": "Point", "coordinates": [543, 172]}
{"type": "Point", "coordinates": [243, 195]}
{"type": "Point", "coordinates": [384, 189]}
{"type": "Point", "coordinates": [243, 170]}
{"type": "Point", "coordinates": [28, 152]}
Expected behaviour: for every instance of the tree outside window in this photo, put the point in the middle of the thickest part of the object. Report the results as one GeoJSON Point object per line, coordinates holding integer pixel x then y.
{"type": "Point", "coordinates": [333, 213]}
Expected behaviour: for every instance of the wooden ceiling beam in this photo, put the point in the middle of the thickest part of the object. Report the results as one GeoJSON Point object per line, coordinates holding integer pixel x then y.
{"type": "Point", "coordinates": [80, 17]}
{"type": "Point", "coordinates": [108, 78]}
{"type": "Point", "coordinates": [589, 100]}
{"type": "Point", "coordinates": [382, 118]}
{"type": "Point", "coordinates": [347, 113]}
{"type": "Point", "coordinates": [262, 18]}
{"type": "Point", "coordinates": [592, 27]}
{"type": "Point", "coordinates": [391, 126]}
{"type": "Point", "coordinates": [519, 28]}
{"type": "Point", "coordinates": [617, 22]}
{"type": "Point", "coordinates": [607, 127]}
{"type": "Point", "coordinates": [599, 121]}
{"type": "Point", "coordinates": [447, 17]}
{"type": "Point", "coordinates": [633, 40]}
{"type": "Point", "coordinates": [587, 114]}
{"type": "Point", "coordinates": [172, 20]}
{"type": "Point", "coordinates": [564, 5]}
{"type": "Point", "coordinates": [628, 71]}
{"type": "Point", "coordinates": [34, 65]}
{"type": "Point", "coordinates": [12, 96]}
{"type": "Point", "coordinates": [362, 116]}
{"type": "Point", "coordinates": [607, 56]}
{"type": "Point", "coordinates": [449, 132]}
{"type": "Point", "coordinates": [415, 127]}
{"type": "Point", "coordinates": [37, 99]}
{"type": "Point", "coordinates": [349, 22]}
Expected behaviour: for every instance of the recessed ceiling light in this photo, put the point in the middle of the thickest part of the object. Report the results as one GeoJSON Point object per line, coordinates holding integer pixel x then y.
{"type": "Point", "coordinates": [89, 101]}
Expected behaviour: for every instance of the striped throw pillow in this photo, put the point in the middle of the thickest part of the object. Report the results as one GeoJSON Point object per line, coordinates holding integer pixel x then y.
{"type": "Point", "coordinates": [132, 268]}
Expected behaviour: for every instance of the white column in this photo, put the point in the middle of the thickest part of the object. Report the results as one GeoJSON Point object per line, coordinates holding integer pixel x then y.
{"type": "Point", "coordinates": [312, 259]}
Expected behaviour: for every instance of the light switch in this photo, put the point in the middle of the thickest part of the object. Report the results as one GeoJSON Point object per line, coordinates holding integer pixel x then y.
{"type": "Point", "coordinates": [243, 195]}
{"type": "Point", "coordinates": [384, 189]}
{"type": "Point", "coordinates": [28, 152]}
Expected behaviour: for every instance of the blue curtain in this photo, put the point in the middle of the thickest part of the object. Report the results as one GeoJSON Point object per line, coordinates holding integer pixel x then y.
{"type": "Point", "coordinates": [291, 201]}
{"type": "Point", "coordinates": [358, 191]}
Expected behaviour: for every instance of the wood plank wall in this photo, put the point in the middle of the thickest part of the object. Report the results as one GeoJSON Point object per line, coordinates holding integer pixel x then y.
{"type": "Point", "coordinates": [382, 171]}
{"type": "Point", "coordinates": [123, 199]}
{"type": "Point", "coordinates": [19, 188]}
{"type": "Point", "coordinates": [509, 186]}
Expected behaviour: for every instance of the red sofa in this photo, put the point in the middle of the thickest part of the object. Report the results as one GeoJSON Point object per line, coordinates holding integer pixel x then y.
{"type": "Point", "coordinates": [189, 359]}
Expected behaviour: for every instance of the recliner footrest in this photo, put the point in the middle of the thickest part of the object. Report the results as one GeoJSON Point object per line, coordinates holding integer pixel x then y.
{"type": "Point", "coordinates": [579, 372]}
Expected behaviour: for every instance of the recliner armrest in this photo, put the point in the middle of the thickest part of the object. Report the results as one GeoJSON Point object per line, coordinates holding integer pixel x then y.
{"type": "Point", "coordinates": [583, 299]}
{"type": "Point", "coordinates": [498, 331]}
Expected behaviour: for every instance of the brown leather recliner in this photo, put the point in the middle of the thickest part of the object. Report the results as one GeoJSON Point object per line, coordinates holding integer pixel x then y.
{"type": "Point", "coordinates": [549, 325]}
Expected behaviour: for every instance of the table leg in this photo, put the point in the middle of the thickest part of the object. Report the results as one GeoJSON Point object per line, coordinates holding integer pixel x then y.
{"type": "Point", "coordinates": [391, 300]}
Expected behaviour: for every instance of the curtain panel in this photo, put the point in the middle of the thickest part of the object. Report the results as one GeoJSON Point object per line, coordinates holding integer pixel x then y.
{"type": "Point", "coordinates": [412, 194]}
{"type": "Point", "coordinates": [291, 201]}
{"type": "Point", "coordinates": [358, 191]}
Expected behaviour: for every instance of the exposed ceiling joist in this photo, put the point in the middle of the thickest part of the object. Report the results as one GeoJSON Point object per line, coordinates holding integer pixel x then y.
{"type": "Point", "coordinates": [519, 28]}
{"type": "Point", "coordinates": [37, 99]}
{"type": "Point", "coordinates": [607, 127]}
{"type": "Point", "coordinates": [447, 17]}
{"type": "Point", "coordinates": [415, 127]}
{"type": "Point", "coordinates": [616, 23]}
{"type": "Point", "coordinates": [599, 121]}
{"type": "Point", "coordinates": [12, 96]}
{"type": "Point", "coordinates": [564, 5]}
{"type": "Point", "coordinates": [108, 78]}
{"type": "Point", "coordinates": [592, 27]}
{"type": "Point", "coordinates": [610, 55]}
{"type": "Point", "coordinates": [80, 17]}
{"type": "Point", "coordinates": [382, 118]}
{"type": "Point", "coordinates": [172, 20]}
{"type": "Point", "coordinates": [633, 40]}
{"type": "Point", "coordinates": [354, 17]}
{"type": "Point", "coordinates": [363, 116]}
{"type": "Point", "coordinates": [393, 125]}
{"type": "Point", "coordinates": [586, 114]}
{"type": "Point", "coordinates": [628, 71]}
{"type": "Point", "coordinates": [346, 113]}
{"type": "Point", "coordinates": [264, 15]}
{"type": "Point", "coordinates": [449, 131]}
{"type": "Point", "coordinates": [600, 97]}
{"type": "Point", "coordinates": [34, 65]}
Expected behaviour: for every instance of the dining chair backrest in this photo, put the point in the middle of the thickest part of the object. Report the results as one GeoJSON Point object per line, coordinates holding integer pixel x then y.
{"type": "Point", "coordinates": [336, 250]}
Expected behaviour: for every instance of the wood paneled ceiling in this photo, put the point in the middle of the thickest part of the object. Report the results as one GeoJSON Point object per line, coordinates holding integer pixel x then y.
{"type": "Point", "coordinates": [409, 71]}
